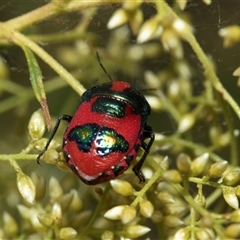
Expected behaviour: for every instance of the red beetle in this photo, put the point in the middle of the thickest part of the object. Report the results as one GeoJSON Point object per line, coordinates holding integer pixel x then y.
{"type": "Point", "coordinates": [104, 135]}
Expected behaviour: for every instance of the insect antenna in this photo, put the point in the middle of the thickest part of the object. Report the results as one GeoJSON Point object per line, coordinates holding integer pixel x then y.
{"type": "Point", "coordinates": [103, 68]}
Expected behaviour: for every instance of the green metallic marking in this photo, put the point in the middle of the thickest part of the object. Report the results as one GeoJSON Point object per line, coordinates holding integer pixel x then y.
{"type": "Point", "coordinates": [83, 136]}
{"type": "Point", "coordinates": [108, 140]}
{"type": "Point", "coordinates": [110, 106]}
{"type": "Point", "coordinates": [105, 140]}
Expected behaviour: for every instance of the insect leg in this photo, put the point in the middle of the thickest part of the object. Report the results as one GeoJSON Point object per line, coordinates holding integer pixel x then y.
{"type": "Point", "coordinates": [63, 117]}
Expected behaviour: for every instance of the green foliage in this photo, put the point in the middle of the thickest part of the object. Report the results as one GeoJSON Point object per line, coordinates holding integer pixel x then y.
{"type": "Point", "coordinates": [193, 180]}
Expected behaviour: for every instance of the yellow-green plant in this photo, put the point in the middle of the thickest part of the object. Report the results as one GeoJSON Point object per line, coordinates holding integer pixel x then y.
{"type": "Point", "coordinates": [192, 189]}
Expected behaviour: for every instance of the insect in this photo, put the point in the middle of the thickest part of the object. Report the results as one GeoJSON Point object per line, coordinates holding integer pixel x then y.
{"type": "Point", "coordinates": [105, 133]}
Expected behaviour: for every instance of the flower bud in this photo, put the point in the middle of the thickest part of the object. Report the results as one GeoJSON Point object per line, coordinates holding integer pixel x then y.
{"type": "Point", "coordinates": [55, 189]}
{"type": "Point", "coordinates": [65, 201]}
{"type": "Point", "coordinates": [40, 144]}
{"type": "Point", "coordinates": [40, 184]}
{"type": "Point", "coordinates": [152, 79]}
{"type": "Point", "coordinates": [154, 102]}
{"type": "Point", "coordinates": [51, 156]}
{"type": "Point", "coordinates": [119, 17]}
{"type": "Point", "coordinates": [56, 213]}
{"type": "Point", "coordinates": [165, 197]}
{"type": "Point", "coordinates": [35, 221]}
{"type": "Point", "coordinates": [147, 172]}
{"type": "Point", "coordinates": [199, 163]}
{"type": "Point", "coordinates": [232, 231]}
{"type": "Point", "coordinates": [122, 187]}
{"type": "Point", "coordinates": [232, 178]}
{"type": "Point", "coordinates": [146, 208]}
{"type": "Point", "coordinates": [81, 219]}
{"type": "Point", "coordinates": [182, 233]}
{"type": "Point", "coordinates": [182, 4]}
{"type": "Point", "coordinates": [173, 221]}
{"type": "Point", "coordinates": [236, 73]}
{"type": "Point", "coordinates": [172, 176]}
{"type": "Point", "coordinates": [173, 91]}
{"type": "Point", "coordinates": [107, 235]}
{"type": "Point", "coordinates": [115, 212]}
{"type": "Point", "coordinates": [36, 126]}
{"type": "Point", "coordinates": [24, 211]}
{"type": "Point", "coordinates": [235, 216]}
{"type": "Point", "coordinates": [135, 21]}
{"type": "Point", "coordinates": [186, 122]}
{"type": "Point", "coordinates": [4, 70]}
{"type": "Point", "coordinates": [184, 70]}
{"type": "Point", "coordinates": [157, 216]}
{"type": "Point", "coordinates": [176, 209]}
{"type": "Point", "coordinates": [9, 225]}
{"type": "Point", "coordinates": [214, 134]}
{"type": "Point", "coordinates": [207, 2]}
{"type": "Point", "coordinates": [237, 191]}
{"type": "Point", "coordinates": [184, 163]}
{"type": "Point", "coordinates": [171, 43]}
{"type": "Point", "coordinates": [203, 233]}
{"type": "Point", "coordinates": [128, 214]}
{"type": "Point", "coordinates": [208, 221]}
{"type": "Point", "coordinates": [135, 231]}
{"type": "Point", "coordinates": [230, 35]}
{"type": "Point", "coordinates": [67, 233]}
{"type": "Point", "coordinates": [148, 30]}
{"type": "Point", "coordinates": [62, 164]}
{"type": "Point", "coordinates": [45, 219]}
{"type": "Point", "coordinates": [217, 169]}
{"type": "Point", "coordinates": [164, 162]}
{"type": "Point", "coordinates": [131, 5]}
{"type": "Point", "coordinates": [230, 197]}
{"type": "Point", "coordinates": [26, 187]}
{"type": "Point", "coordinates": [77, 203]}
{"type": "Point", "coordinates": [181, 28]}
{"type": "Point", "coordinates": [224, 139]}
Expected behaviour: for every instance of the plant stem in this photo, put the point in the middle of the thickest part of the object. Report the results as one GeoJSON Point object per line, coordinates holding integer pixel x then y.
{"type": "Point", "coordinates": [209, 71]}
{"type": "Point", "coordinates": [18, 156]}
{"type": "Point", "coordinates": [157, 174]}
{"type": "Point", "coordinates": [96, 212]}
{"type": "Point", "coordinates": [21, 40]}
{"type": "Point", "coordinates": [26, 94]}
{"type": "Point", "coordinates": [176, 140]}
{"type": "Point", "coordinates": [50, 10]}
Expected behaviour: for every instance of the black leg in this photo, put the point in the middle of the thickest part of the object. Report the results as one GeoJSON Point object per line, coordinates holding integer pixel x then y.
{"type": "Point", "coordinates": [147, 133]}
{"type": "Point", "coordinates": [63, 117]}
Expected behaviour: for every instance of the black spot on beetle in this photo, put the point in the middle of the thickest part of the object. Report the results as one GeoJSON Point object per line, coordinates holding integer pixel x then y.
{"type": "Point", "coordinates": [117, 169]}
{"type": "Point", "coordinates": [129, 159]}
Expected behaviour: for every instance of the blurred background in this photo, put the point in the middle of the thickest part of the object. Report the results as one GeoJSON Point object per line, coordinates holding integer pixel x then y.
{"type": "Point", "coordinates": [123, 58]}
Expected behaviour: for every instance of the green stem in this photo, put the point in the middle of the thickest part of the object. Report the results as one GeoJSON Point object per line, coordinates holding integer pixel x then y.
{"type": "Point", "coordinates": [213, 197]}
{"type": "Point", "coordinates": [209, 71]}
{"type": "Point", "coordinates": [21, 40]}
{"type": "Point", "coordinates": [96, 213]}
{"type": "Point", "coordinates": [157, 174]}
{"type": "Point", "coordinates": [15, 165]}
{"type": "Point", "coordinates": [190, 200]}
{"type": "Point", "coordinates": [18, 156]}
{"type": "Point", "coordinates": [169, 106]}
{"type": "Point", "coordinates": [176, 140]}
{"type": "Point", "coordinates": [202, 182]}
{"type": "Point", "coordinates": [11, 87]}
{"type": "Point", "coordinates": [26, 94]}
{"type": "Point", "coordinates": [230, 126]}
{"type": "Point", "coordinates": [51, 10]}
